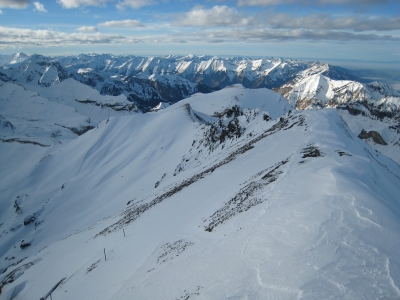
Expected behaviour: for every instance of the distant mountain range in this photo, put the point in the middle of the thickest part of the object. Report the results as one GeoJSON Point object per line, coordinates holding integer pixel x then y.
{"type": "Point", "coordinates": [146, 82]}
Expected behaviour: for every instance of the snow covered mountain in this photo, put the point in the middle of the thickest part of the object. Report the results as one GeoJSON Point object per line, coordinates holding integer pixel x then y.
{"type": "Point", "coordinates": [228, 195]}
{"type": "Point", "coordinates": [149, 82]}
{"type": "Point", "coordinates": [145, 92]}
{"type": "Point", "coordinates": [190, 71]}
{"type": "Point", "coordinates": [314, 88]}
{"type": "Point", "coordinates": [373, 108]}
{"type": "Point", "coordinates": [47, 116]}
{"type": "Point", "coordinates": [13, 58]}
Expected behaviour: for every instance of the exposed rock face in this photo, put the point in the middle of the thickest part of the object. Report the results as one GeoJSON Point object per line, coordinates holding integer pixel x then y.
{"type": "Point", "coordinates": [24, 244]}
{"type": "Point", "coordinates": [29, 219]}
{"type": "Point", "coordinates": [377, 138]}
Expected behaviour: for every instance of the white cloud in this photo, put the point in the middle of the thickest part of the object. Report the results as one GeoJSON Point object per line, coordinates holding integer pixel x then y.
{"type": "Point", "coordinates": [87, 29]}
{"type": "Point", "coordinates": [1, 12]}
{"type": "Point", "coordinates": [123, 23]}
{"type": "Point", "coordinates": [78, 3]}
{"type": "Point", "coordinates": [17, 37]}
{"type": "Point", "coordinates": [214, 17]}
{"type": "Point", "coordinates": [135, 4]}
{"type": "Point", "coordinates": [18, 4]}
{"type": "Point", "coordinates": [39, 7]}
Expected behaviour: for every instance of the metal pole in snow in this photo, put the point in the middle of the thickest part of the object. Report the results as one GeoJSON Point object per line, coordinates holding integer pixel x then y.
{"type": "Point", "coordinates": [123, 231]}
{"type": "Point", "coordinates": [105, 256]}
{"type": "Point", "coordinates": [51, 297]}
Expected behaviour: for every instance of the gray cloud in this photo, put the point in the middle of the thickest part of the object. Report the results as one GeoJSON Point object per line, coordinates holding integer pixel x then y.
{"type": "Point", "coordinates": [135, 4]}
{"type": "Point", "coordinates": [218, 16]}
{"type": "Point", "coordinates": [16, 37]}
{"type": "Point", "coordinates": [264, 35]}
{"type": "Point", "coordinates": [87, 29]}
{"type": "Point", "coordinates": [18, 4]}
{"type": "Point", "coordinates": [310, 35]}
{"type": "Point", "coordinates": [123, 23]}
{"type": "Point", "coordinates": [78, 3]}
{"type": "Point", "coordinates": [325, 21]}
{"type": "Point", "coordinates": [224, 16]}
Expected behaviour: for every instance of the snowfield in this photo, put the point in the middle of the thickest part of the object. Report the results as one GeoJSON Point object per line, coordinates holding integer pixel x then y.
{"type": "Point", "coordinates": [228, 195]}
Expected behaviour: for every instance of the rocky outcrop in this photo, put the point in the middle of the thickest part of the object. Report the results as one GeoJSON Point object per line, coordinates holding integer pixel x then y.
{"type": "Point", "coordinates": [376, 137]}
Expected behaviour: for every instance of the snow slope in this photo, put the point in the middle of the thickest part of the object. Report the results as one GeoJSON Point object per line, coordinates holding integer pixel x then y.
{"type": "Point", "coordinates": [13, 58]}
{"type": "Point", "coordinates": [55, 114]}
{"type": "Point", "coordinates": [229, 195]}
{"type": "Point", "coordinates": [36, 119]}
{"type": "Point", "coordinates": [320, 91]}
{"type": "Point", "coordinates": [389, 130]}
{"type": "Point", "coordinates": [371, 107]}
{"type": "Point", "coordinates": [86, 99]}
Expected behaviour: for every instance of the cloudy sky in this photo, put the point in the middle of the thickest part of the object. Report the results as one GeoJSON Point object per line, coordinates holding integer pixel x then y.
{"type": "Point", "coordinates": [367, 30]}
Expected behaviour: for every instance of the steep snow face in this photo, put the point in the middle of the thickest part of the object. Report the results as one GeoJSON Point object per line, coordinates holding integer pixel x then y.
{"type": "Point", "coordinates": [86, 100]}
{"type": "Point", "coordinates": [18, 57]}
{"type": "Point", "coordinates": [379, 90]}
{"type": "Point", "coordinates": [322, 85]}
{"type": "Point", "coordinates": [358, 118]}
{"type": "Point", "coordinates": [46, 116]}
{"type": "Point", "coordinates": [12, 59]}
{"type": "Point", "coordinates": [36, 69]}
{"type": "Point", "coordinates": [370, 107]}
{"type": "Point", "coordinates": [161, 105]}
{"type": "Point", "coordinates": [332, 72]}
{"type": "Point", "coordinates": [37, 120]}
{"type": "Point", "coordinates": [313, 89]}
{"type": "Point", "coordinates": [50, 76]}
{"type": "Point", "coordinates": [317, 91]}
{"type": "Point", "coordinates": [227, 195]}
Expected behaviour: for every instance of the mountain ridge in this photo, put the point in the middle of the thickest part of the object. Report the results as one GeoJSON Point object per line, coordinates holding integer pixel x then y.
{"type": "Point", "coordinates": [221, 195]}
